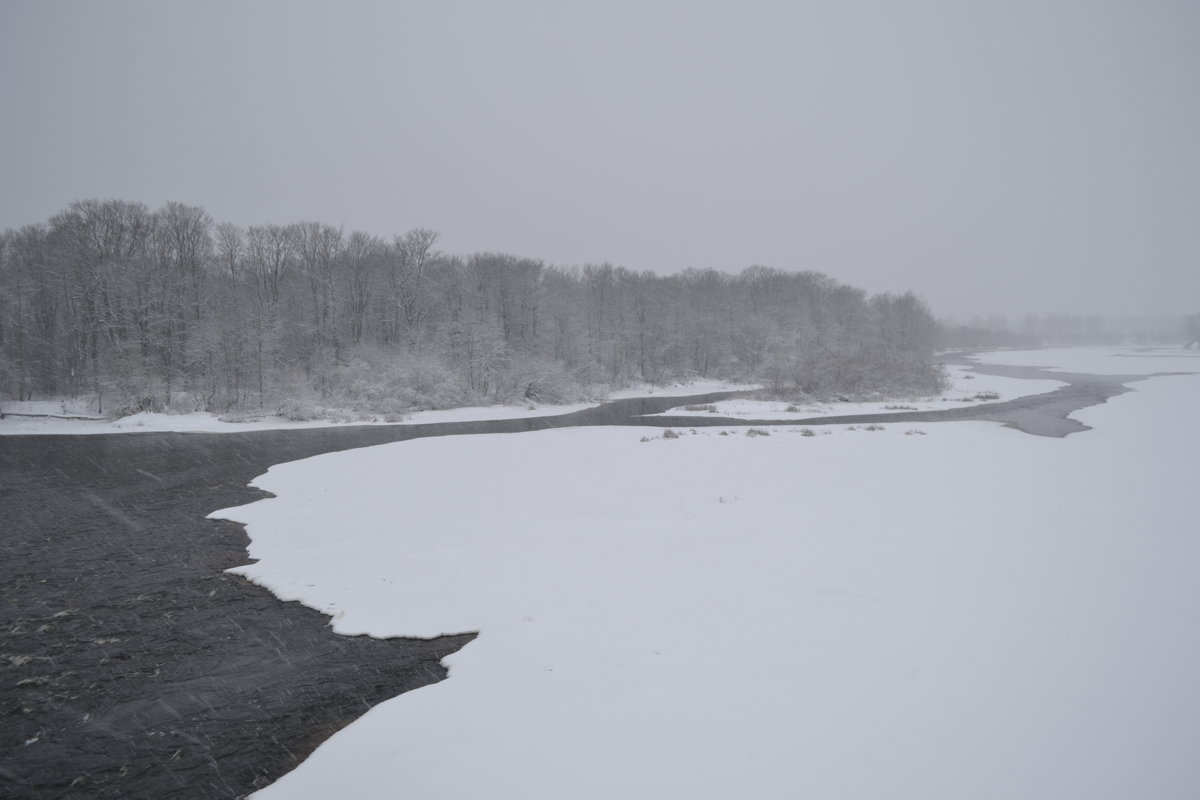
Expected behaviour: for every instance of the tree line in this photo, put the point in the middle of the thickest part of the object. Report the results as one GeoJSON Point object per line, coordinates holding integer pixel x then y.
{"type": "Point", "coordinates": [1069, 330]}
{"type": "Point", "coordinates": [146, 310]}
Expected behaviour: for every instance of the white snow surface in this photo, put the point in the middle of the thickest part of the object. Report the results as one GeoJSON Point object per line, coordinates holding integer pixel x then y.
{"type": "Point", "coordinates": [970, 613]}
{"type": "Point", "coordinates": [201, 422]}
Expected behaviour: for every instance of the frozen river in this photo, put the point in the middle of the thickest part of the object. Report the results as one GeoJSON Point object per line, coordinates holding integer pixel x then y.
{"type": "Point", "coordinates": [138, 666]}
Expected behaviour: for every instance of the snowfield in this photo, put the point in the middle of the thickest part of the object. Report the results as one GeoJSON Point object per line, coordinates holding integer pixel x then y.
{"type": "Point", "coordinates": [953, 610]}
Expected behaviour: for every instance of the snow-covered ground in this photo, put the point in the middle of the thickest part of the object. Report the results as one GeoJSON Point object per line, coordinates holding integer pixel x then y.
{"type": "Point", "coordinates": [211, 423]}
{"type": "Point", "coordinates": [966, 388]}
{"type": "Point", "coordinates": [967, 611]}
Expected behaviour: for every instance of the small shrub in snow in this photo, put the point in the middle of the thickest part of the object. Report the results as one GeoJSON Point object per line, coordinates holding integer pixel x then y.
{"type": "Point", "coordinates": [874, 428]}
{"type": "Point", "coordinates": [986, 396]}
{"type": "Point", "coordinates": [807, 432]}
{"type": "Point", "coordinates": [240, 416]}
{"type": "Point", "coordinates": [185, 403]}
{"type": "Point", "coordinates": [670, 434]}
{"type": "Point", "coordinates": [707, 407]}
{"type": "Point", "coordinates": [899, 408]}
{"type": "Point", "coordinates": [298, 410]}
{"type": "Point", "coordinates": [914, 432]}
{"type": "Point", "coordinates": [537, 380]}
{"type": "Point", "coordinates": [757, 432]}
{"type": "Point", "coordinates": [723, 433]}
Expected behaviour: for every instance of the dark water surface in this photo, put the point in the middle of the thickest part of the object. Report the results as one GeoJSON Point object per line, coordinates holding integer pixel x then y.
{"type": "Point", "coordinates": [132, 666]}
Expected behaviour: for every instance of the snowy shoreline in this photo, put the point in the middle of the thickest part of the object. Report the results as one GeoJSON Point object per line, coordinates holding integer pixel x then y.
{"type": "Point", "coordinates": [966, 388]}
{"type": "Point", "coordinates": [613, 576]}
{"type": "Point", "coordinates": [199, 422]}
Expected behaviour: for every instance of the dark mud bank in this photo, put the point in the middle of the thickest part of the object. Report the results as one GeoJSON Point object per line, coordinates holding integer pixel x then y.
{"type": "Point", "coordinates": [132, 666]}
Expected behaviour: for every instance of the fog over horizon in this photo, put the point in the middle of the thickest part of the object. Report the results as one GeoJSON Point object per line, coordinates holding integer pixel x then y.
{"type": "Point", "coordinates": [1024, 157]}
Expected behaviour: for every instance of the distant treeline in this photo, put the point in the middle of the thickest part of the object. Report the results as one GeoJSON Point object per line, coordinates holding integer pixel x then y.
{"type": "Point", "coordinates": [149, 309]}
{"type": "Point", "coordinates": [1058, 329]}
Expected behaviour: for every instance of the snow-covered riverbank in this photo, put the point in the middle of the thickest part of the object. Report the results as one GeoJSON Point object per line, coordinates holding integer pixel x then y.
{"type": "Point", "coordinates": [49, 415]}
{"type": "Point", "coordinates": [941, 611]}
{"type": "Point", "coordinates": [966, 388]}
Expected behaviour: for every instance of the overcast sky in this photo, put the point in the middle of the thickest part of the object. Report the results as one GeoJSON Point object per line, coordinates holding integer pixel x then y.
{"type": "Point", "coordinates": [1001, 156]}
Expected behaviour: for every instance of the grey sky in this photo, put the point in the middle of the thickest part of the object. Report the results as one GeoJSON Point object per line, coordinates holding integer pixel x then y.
{"type": "Point", "coordinates": [992, 156]}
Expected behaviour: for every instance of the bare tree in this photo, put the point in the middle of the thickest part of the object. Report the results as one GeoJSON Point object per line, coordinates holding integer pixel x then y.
{"type": "Point", "coordinates": [410, 258]}
{"type": "Point", "coordinates": [230, 247]}
{"type": "Point", "coordinates": [318, 248]}
{"type": "Point", "coordinates": [363, 256]}
{"type": "Point", "coordinates": [270, 256]}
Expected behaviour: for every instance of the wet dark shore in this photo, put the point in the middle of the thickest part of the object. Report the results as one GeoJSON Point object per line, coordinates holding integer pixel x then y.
{"type": "Point", "coordinates": [132, 666]}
